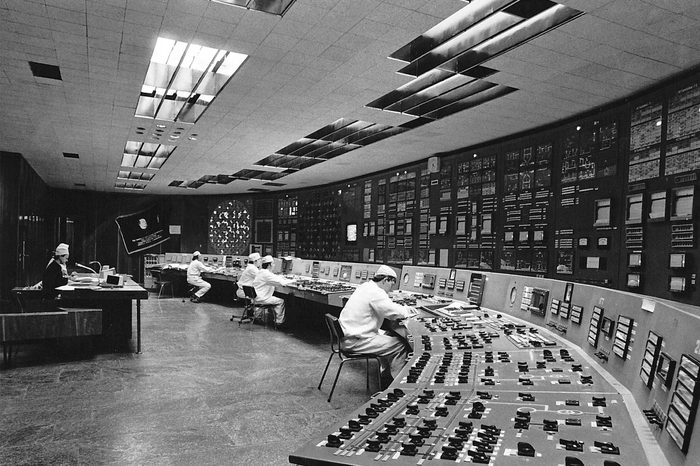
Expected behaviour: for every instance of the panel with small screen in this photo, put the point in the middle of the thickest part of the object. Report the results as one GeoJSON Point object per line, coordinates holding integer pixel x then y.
{"type": "Point", "coordinates": [534, 300]}
{"type": "Point", "coordinates": [684, 403]}
{"type": "Point", "coordinates": [676, 284]}
{"type": "Point", "coordinates": [428, 281]}
{"type": "Point", "coordinates": [682, 203]}
{"type": "Point", "coordinates": [651, 358]}
{"type": "Point", "coordinates": [634, 259]}
{"type": "Point", "coordinates": [676, 261]}
{"type": "Point", "coordinates": [345, 273]}
{"type": "Point", "coordinates": [594, 327]}
{"type": "Point", "coordinates": [576, 314]}
{"type": "Point", "coordinates": [351, 233]}
{"type": "Point", "coordinates": [538, 236]}
{"type": "Point", "coordinates": [623, 335]}
{"type": "Point", "coordinates": [633, 280]}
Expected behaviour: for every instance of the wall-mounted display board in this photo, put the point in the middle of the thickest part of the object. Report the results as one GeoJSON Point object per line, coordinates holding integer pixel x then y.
{"type": "Point", "coordinates": [623, 335]}
{"type": "Point", "coordinates": [576, 314]}
{"type": "Point", "coordinates": [525, 211]}
{"type": "Point", "coordinates": [652, 350]}
{"type": "Point", "coordinates": [561, 203]}
{"type": "Point", "coordinates": [645, 141]}
{"type": "Point", "coordinates": [230, 227]}
{"type": "Point", "coordinates": [286, 228]}
{"type": "Point", "coordinates": [684, 402]}
{"type": "Point", "coordinates": [683, 131]}
{"type": "Point", "coordinates": [319, 224]}
{"type": "Point", "coordinates": [594, 327]}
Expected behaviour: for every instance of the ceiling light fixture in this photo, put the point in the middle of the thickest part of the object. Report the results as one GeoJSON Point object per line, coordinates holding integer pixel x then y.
{"type": "Point", "coordinates": [145, 154]}
{"type": "Point", "coordinates": [183, 79]}
{"type": "Point", "coordinates": [273, 7]}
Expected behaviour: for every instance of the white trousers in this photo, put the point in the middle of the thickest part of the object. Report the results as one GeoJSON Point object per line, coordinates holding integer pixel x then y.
{"type": "Point", "coordinates": [279, 307]}
{"type": "Point", "coordinates": [392, 351]}
{"type": "Point", "coordinates": [203, 286]}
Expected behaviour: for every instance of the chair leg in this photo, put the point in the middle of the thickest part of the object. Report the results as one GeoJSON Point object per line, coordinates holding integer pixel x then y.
{"type": "Point", "coordinates": [337, 374]}
{"type": "Point", "coordinates": [379, 373]}
{"type": "Point", "coordinates": [367, 372]}
{"type": "Point", "coordinates": [325, 370]}
{"type": "Point", "coordinates": [246, 315]}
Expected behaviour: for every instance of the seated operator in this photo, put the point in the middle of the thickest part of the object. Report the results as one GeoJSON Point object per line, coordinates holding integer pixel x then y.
{"type": "Point", "coordinates": [194, 277]}
{"type": "Point", "coordinates": [362, 317]}
{"type": "Point", "coordinates": [248, 275]}
{"type": "Point", "coordinates": [264, 284]}
{"type": "Point", "coordinates": [56, 273]}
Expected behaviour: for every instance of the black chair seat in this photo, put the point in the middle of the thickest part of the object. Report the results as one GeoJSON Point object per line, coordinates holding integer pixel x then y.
{"type": "Point", "coordinates": [248, 315]}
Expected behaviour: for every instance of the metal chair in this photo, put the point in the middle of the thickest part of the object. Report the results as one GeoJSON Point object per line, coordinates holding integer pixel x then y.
{"type": "Point", "coordinates": [335, 332]}
{"type": "Point", "coordinates": [250, 307]}
{"type": "Point", "coordinates": [160, 282]}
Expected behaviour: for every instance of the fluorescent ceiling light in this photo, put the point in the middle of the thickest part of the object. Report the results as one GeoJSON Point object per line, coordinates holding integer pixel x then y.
{"type": "Point", "coordinates": [183, 79]}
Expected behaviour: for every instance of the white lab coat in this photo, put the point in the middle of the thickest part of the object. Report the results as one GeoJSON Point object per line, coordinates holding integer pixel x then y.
{"type": "Point", "coordinates": [361, 319]}
{"type": "Point", "coordinates": [264, 284]}
{"type": "Point", "coordinates": [194, 272]}
{"type": "Point", "coordinates": [246, 279]}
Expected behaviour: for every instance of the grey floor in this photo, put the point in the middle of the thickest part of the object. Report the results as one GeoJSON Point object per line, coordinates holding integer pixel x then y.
{"type": "Point", "coordinates": [203, 391]}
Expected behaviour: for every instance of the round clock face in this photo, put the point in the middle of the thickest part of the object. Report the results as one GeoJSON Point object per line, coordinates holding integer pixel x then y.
{"type": "Point", "coordinates": [405, 278]}
{"type": "Point", "coordinates": [229, 228]}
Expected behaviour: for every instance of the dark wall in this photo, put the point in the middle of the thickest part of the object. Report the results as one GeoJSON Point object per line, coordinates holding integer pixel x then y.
{"type": "Point", "coordinates": [24, 227]}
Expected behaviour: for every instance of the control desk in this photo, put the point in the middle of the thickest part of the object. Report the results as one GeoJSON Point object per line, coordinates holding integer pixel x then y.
{"type": "Point", "coordinates": [484, 388]}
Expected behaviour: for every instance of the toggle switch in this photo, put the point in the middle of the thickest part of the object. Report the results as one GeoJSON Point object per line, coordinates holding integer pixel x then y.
{"type": "Point", "coordinates": [525, 449]}
{"type": "Point", "coordinates": [571, 445]}
{"type": "Point", "coordinates": [409, 449]}
{"type": "Point", "coordinates": [550, 426]}
{"type": "Point", "coordinates": [333, 441]}
{"type": "Point", "coordinates": [572, 461]}
{"type": "Point", "coordinates": [607, 447]}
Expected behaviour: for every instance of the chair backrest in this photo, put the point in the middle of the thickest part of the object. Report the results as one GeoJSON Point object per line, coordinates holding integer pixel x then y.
{"type": "Point", "coordinates": [32, 300]}
{"type": "Point", "coordinates": [335, 331]}
{"type": "Point", "coordinates": [249, 292]}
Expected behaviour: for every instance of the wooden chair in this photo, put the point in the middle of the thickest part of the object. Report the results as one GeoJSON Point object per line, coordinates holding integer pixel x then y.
{"type": "Point", "coordinates": [335, 332]}
{"type": "Point", "coordinates": [250, 307]}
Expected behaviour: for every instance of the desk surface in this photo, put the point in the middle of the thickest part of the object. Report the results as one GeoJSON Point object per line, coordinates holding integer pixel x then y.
{"type": "Point", "coordinates": [130, 290]}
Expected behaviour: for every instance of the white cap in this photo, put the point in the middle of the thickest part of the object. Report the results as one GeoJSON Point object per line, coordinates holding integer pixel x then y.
{"type": "Point", "coordinates": [267, 260]}
{"type": "Point", "coordinates": [61, 249]}
{"type": "Point", "coordinates": [195, 254]}
{"type": "Point", "coordinates": [386, 271]}
{"type": "Point", "coordinates": [254, 256]}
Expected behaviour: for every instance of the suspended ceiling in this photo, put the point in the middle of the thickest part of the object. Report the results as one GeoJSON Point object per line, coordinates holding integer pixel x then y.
{"type": "Point", "coordinates": [321, 63]}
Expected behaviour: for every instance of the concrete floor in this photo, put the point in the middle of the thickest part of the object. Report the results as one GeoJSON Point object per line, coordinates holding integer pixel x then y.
{"type": "Point", "coordinates": [204, 391]}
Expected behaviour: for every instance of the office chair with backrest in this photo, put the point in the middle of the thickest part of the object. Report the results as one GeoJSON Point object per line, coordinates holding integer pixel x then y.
{"type": "Point", "coordinates": [161, 281]}
{"type": "Point", "coordinates": [251, 306]}
{"type": "Point", "coordinates": [335, 332]}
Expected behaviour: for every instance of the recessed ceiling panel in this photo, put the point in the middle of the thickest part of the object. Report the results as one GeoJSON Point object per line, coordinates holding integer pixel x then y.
{"type": "Point", "coordinates": [448, 28]}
